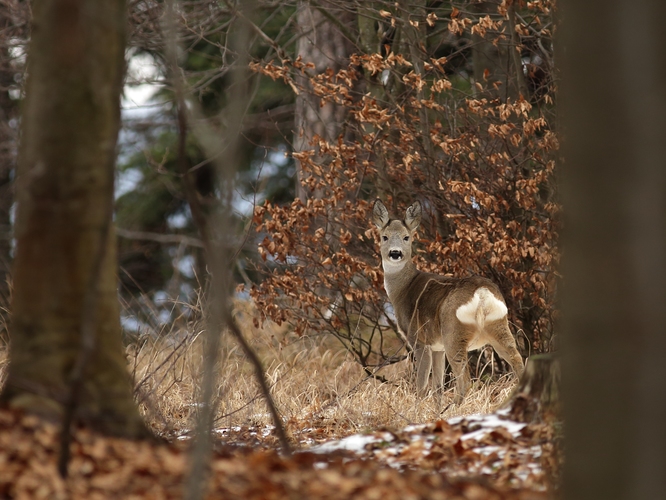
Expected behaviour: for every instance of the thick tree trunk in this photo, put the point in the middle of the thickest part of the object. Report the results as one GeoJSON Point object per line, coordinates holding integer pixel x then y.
{"type": "Point", "coordinates": [63, 228]}
{"type": "Point", "coordinates": [614, 258]}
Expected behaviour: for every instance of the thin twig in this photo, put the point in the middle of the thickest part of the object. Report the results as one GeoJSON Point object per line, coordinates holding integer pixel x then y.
{"type": "Point", "coordinates": [261, 378]}
{"type": "Point", "coordinates": [159, 237]}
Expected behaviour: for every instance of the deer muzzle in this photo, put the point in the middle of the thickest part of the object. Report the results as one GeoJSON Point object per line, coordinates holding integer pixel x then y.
{"type": "Point", "coordinates": [395, 255]}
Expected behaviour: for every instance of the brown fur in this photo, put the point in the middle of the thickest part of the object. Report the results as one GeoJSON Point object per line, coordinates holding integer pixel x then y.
{"type": "Point", "coordinates": [425, 306]}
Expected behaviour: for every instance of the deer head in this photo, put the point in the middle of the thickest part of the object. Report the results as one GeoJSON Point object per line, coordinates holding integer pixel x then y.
{"type": "Point", "coordinates": [396, 235]}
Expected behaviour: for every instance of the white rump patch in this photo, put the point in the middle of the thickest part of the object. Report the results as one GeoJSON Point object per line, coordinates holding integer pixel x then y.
{"type": "Point", "coordinates": [437, 346]}
{"type": "Point", "coordinates": [482, 307]}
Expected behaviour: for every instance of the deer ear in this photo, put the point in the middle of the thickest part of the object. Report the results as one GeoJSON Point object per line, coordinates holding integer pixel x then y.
{"type": "Point", "coordinates": [380, 215]}
{"type": "Point", "coordinates": [413, 216]}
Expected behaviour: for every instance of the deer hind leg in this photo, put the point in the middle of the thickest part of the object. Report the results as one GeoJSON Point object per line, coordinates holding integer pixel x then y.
{"type": "Point", "coordinates": [456, 352]}
{"type": "Point", "coordinates": [505, 345]}
{"type": "Point", "coordinates": [423, 355]}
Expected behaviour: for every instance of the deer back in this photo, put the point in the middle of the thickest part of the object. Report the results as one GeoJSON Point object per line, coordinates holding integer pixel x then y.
{"type": "Point", "coordinates": [430, 299]}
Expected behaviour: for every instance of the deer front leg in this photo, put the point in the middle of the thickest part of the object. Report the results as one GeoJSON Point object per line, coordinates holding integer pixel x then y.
{"type": "Point", "coordinates": [438, 369]}
{"type": "Point", "coordinates": [438, 358]}
{"type": "Point", "coordinates": [423, 364]}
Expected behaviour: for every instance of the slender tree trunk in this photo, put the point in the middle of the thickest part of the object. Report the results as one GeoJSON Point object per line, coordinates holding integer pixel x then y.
{"type": "Point", "coordinates": [497, 64]}
{"type": "Point", "coordinates": [65, 283]}
{"type": "Point", "coordinates": [614, 309]}
{"type": "Point", "coordinates": [323, 45]}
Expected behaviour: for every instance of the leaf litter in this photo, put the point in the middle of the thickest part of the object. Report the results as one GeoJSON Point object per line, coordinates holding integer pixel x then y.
{"type": "Point", "coordinates": [474, 457]}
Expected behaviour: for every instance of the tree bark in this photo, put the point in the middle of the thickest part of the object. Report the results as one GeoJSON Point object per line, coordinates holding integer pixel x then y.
{"type": "Point", "coordinates": [322, 44]}
{"type": "Point", "coordinates": [614, 295]}
{"type": "Point", "coordinates": [497, 64]}
{"type": "Point", "coordinates": [537, 396]}
{"type": "Point", "coordinates": [8, 140]}
{"type": "Point", "coordinates": [63, 228]}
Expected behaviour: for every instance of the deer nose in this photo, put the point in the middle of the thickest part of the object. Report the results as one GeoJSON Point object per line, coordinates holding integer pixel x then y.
{"type": "Point", "coordinates": [395, 254]}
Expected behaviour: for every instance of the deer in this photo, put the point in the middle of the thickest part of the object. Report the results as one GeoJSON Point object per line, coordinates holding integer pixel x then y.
{"type": "Point", "coordinates": [440, 315]}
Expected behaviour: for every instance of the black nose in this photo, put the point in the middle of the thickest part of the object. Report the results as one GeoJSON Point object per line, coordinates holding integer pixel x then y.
{"type": "Point", "coordinates": [395, 254]}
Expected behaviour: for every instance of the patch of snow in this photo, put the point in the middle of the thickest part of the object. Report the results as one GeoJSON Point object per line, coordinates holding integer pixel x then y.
{"type": "Point", "coordinates": [355, 443]}
{"type": "Point", "coordinates": [504, 412]}
{"type": "Point", "coordinates": [489, 450]}
{"type": "Point", "coordinates": [258, 416]}
{"type": "Point", "coordinates": [535, 451]}
{"type": "Point", "coordinates": [267, 430]}
{"type": "Point", "coordinates": [488, 423]}
{"type": "Point", "coordinates": [227, 430]}
{"type": "Point", "coordinates": [196, 405]}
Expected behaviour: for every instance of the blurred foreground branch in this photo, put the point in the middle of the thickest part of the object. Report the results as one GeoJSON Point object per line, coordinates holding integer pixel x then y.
{"type": "Point", "coordinates": [214, 226]}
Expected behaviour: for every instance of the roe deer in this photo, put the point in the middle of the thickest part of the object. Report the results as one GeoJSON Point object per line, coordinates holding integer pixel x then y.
{"type": "Point", "coordinates": [439, 314]}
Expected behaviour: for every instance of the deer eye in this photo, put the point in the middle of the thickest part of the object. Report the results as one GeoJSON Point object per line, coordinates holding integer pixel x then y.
{"type": "Point", "coordinates": [385, 238]}
{"type": "Point", "coordinates": [406, 238]}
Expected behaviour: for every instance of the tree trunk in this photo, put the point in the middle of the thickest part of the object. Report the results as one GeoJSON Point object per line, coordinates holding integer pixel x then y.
{"type": "Point", "coordinates": [8, 140]}
{"type": "Point", "coordinates": [537, 396]}
{"type": "Point", "coordinates": [497, 65]}
{"type": "Point", "coordinates": [66, 247]}
{"type": "Point", "coordinates": [322, 44]}
{"type": "Point", "coordinates": [614, 296]}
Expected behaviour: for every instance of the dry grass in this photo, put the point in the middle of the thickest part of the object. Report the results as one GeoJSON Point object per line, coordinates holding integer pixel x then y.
{"type": "Point", "coordinates": [320, 390]}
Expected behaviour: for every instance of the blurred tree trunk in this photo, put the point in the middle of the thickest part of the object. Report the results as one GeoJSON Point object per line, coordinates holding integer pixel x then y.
{"type": "Point", "coordinates": [8, 111]}
{"type": "Point", "coordinates": [614, 297]}
{"type": "Point", "coordinates": [323, 44]}
{"type": "Point", "coordinates": [65, 279]}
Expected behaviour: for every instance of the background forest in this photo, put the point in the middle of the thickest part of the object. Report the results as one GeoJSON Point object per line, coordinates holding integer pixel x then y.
{"type": "Point", "coordinates": [234, 211]}
{"type": "Point", "coordinates": [263, 133]}
{"type": "Point", "coordinates": [450, 103]}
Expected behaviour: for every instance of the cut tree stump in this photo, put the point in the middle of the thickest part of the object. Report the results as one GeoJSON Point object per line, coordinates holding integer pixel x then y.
{"type": "Point", "coordinates": [537, 396]}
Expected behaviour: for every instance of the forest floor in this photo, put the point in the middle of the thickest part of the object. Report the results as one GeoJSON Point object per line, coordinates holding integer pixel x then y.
{"type": "Point", "coordinates": [353, 437]}
{"type": "Point", "coordinates": [467, 458]}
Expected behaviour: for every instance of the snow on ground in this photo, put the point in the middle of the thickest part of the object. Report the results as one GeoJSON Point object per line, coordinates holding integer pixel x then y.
{"type": "Point", "coordinates": [490, 446]}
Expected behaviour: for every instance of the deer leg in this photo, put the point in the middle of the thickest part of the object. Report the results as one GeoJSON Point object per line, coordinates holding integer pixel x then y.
{"type": "Point", "coordinates": [423, 364]}
{"type": "Point", "coordinates": [505, 345]}
{"type": "Point", "coordinates": [438, 369]}
{"type": "Point", "coordinates": [438, 373]}
{"type": "Point", "coordinates": [456, 352]}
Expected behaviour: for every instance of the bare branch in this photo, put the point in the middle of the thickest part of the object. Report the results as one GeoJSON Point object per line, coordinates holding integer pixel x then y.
{"type": "Point", "coordinates": [159, 237]}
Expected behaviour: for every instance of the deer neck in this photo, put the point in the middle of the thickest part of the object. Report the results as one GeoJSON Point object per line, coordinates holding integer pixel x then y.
{"type": "Point", "coordinates": [397, 278]}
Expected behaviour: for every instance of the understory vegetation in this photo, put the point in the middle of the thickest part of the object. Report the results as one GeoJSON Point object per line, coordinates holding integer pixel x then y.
{"type": "Point", "coordinates": [270, 130]}
{"type": "Point", "coordinates": [321, 391]}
